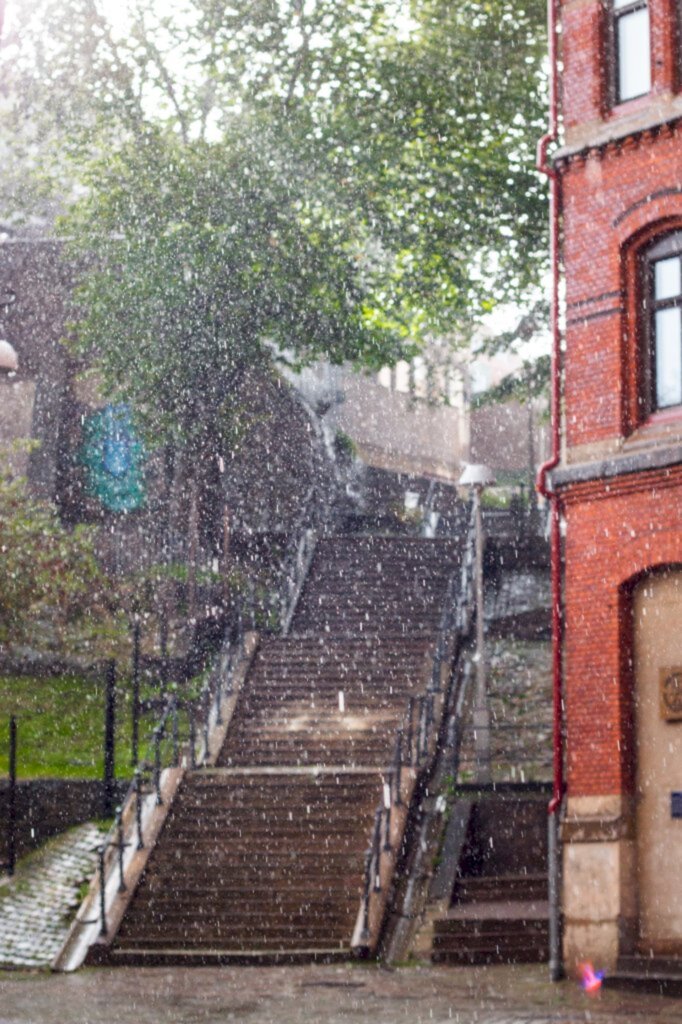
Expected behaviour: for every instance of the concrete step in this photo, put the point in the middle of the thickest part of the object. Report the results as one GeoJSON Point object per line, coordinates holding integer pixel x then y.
{"type": "Point", "coordinates": [210, 956]}
{"type": "Point", "coordinates": [500, 887]}
{"type": "Point", "coordinates": [657, 974]}
{"type": "Point", "coordinates": [509, 931]}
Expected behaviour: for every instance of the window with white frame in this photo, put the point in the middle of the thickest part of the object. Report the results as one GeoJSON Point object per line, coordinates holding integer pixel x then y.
{"type": "Point", "coordinates": [663, 301]}
{"type": "Point", "coordinates": [632, 49]}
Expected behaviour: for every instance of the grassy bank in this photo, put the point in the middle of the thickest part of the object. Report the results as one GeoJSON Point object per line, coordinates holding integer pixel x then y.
{"type": "Point", "coordinates": [61, 726]}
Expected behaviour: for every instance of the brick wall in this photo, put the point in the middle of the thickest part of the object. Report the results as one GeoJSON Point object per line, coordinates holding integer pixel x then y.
{"type": "Point", "coordinates": [586, 86]}
{"type": "Point", "coordinates": [615, 532]}
{"type": "Point", "coordinates": [615, 198]}
{"type": "Point", "coordinates": [619, 190]}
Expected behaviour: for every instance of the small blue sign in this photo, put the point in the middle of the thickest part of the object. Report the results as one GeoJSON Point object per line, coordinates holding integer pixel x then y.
{"type": "Point", "coordinates": [114, 457]}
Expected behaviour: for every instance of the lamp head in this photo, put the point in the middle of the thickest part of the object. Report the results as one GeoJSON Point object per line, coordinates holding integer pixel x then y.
{"type": "Point", "coordinates": [477, 475]}
{"type": "Point", "coordinates": [9, 361]}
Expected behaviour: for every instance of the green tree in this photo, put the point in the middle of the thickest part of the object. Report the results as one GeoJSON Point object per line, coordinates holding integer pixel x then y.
{"type": "Point", "coordinates": [422, 115]}
{"type": "Point", "coordinates": [209, 257]}
{"type": "Point", "coordinates": [49, 574]}
{"type": "Point", "coordinates": [274, 179]}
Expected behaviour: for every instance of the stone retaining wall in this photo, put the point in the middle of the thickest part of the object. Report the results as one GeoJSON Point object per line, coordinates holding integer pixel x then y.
{"type": "Point", "coordinates": [46, 807]}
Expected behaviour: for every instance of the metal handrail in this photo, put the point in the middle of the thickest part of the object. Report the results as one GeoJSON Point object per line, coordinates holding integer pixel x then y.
{"type": "Point", "coordinates": [297, 557]}
{"type": "Point", "coordinates": [416, 747]}
{"type": "Point", "coordinates": [203, 709]}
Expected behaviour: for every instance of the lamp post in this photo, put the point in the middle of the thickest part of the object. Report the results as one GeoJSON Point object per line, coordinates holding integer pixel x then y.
{"type": "Point", "coordinates": [477, 477]}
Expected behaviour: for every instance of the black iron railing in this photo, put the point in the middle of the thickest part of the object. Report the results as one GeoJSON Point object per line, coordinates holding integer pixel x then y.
{"type": "Point", "coordinates": [11, 835]}
{"type": "Point", "coordinates": [182, 732]}
{"type": "Point", "coordinates": [298, 555]}
{"type": "Point", "coordinates": [180, 738]}
{"type": "Point", "coordinates": [419, 733]}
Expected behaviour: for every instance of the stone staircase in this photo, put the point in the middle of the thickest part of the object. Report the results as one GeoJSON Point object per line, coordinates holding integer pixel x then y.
{"type": "Point", "coordinates": [254, 864]}
{"type": "Point", "coordinates": [290, 709]}
{"type": "Point", "coordinates": [262, 855]}
{"type": "Point", "coordinates": [499, 911]}
{"type": "Point", "coordinates": [376, 585]}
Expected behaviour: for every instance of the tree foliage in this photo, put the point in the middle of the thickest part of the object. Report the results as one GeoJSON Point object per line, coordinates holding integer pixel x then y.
{"type": "Point", "coordinates": [208, 258]}
{"type": "Point", "coordinates": [524, 385]}
{"type": "Point", "coordinates": [301, 176]}
{"type": "Point", "coordinates": [532, 379]}
{"type": "Point", "coordinates": [49, 574]}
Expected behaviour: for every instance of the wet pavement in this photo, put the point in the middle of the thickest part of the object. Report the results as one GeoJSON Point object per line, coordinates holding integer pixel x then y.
{"type": "Point", "coordinates": [319, 995]}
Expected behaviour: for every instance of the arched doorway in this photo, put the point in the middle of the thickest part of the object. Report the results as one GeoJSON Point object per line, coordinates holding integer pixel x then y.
{"type": "Point", "coordinates": [657, 635]}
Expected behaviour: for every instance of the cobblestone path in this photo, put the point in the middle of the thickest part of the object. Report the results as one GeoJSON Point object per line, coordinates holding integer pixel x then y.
{"type": "Point", "coordinates": [36, 905]}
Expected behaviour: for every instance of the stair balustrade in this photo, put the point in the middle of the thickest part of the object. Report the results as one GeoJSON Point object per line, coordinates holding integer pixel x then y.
{"type": "Point", "coordinates": [136, 826]}
{"type": "Point", "coordinates": [298, 555]}
{"type": "Point", "coordinates": [436, 711]}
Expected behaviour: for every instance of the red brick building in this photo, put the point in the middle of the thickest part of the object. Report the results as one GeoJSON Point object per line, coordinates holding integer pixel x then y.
{"type": "Point", "coordinates": [617, 477]}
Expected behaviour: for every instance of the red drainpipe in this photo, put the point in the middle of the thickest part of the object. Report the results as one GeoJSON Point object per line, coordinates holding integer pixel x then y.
{"type": "Point", "coordinates": [546, 167]}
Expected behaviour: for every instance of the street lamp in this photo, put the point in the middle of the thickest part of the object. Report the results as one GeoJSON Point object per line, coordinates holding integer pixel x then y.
{"type": "Point", "coordinates": [477, 477]}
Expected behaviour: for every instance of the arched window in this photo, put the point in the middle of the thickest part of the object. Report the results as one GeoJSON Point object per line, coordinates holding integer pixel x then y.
{"type": "Point", "coordinates": [662, 301]}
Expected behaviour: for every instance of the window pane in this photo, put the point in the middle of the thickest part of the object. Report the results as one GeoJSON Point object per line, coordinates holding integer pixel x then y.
{"type": "Point", "coordinates": [634, 61]}
{"type": "Point", "coordinates": [668, 357]}
{"type": "Point", "coordinates": [667, 278]}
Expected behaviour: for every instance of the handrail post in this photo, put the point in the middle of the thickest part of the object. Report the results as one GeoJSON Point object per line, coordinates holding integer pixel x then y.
{"type": "Point", "coordinates": [429, 721]}
{"type": "Point", "coordinates": [206, 709]}
{"type": "Point", "coordinates": [387, 826]}
{"type": "Point", "coordinates": [421, 729]}
{"type": "Point", "coordinates": [240, 622]}
{"type": "Point", "coordinates": [376, 843]}
{"type": "Point", "coordinates": [175, 733]}
{"type": "Point", "coordinates": [108, 784]}
{"type": "Point", "coordinates": [157, 765]}
{"type": "Point", "coordinates": [138, 808]}
{"type": "Point", "coordinates": [228, 675]}
{"type": "Point", "coordinates": [192, 735]}
{"type": "Point", "coordinates": [364, 936]}
{"type": "Point", "coordinates": [135, 737]}
{"type": "Point", "coordinates": [218, 699]}
{"type": "Point", "coordinates": [12, 798]}
{"type": "Point", "coordinates": [252, 604]}
{"type": "Point", "coordinates": [397, 768]}
{"type": "Point", "coordinates": [409, 743]}
{"type": "Point", "coordinates": [121, 848]}
{"type": "Point", "coordinates": [102, 891]}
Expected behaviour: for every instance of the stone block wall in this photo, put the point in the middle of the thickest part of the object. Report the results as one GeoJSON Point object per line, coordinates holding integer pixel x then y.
{"type": "Point", "coordinates": [45, 807]}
